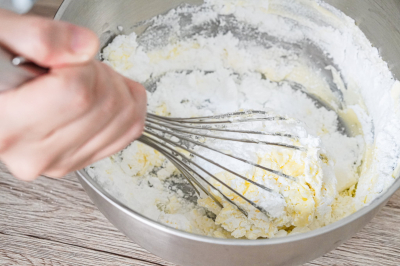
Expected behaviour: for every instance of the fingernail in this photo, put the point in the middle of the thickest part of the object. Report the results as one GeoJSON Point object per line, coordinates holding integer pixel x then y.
{"type": "Point", "coordinates": [82, 42]}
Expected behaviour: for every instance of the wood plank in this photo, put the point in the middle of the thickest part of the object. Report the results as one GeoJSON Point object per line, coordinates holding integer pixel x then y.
{"type": "Point", "coordinates": [17, 249]}
{"type": "Point", "coordinates": [59, 211]}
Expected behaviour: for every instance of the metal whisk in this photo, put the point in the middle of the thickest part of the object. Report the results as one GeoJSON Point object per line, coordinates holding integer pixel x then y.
{"type": "Point", "coordinates": [166, 134]}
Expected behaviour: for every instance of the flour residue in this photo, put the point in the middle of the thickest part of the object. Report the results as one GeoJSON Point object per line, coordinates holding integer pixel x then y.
{"type": "Point", "coordinates": [300, 59]}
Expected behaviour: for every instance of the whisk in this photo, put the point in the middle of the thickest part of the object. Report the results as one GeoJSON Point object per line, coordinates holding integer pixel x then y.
{"type": "Point", "coordinates": [169, 134]}
{"type": "Point", "coordinates": [166, 134]}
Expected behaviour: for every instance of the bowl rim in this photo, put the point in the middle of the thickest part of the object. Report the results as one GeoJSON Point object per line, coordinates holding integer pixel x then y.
{"type": "Point", "coordinates": [84, 177]}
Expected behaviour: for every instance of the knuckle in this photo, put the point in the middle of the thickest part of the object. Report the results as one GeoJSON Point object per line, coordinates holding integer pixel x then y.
{"type": "Point", "coordinates": [26, 170]}
{"type": "Point", "coordinates": [82, 98]}
{"type": "Point", "coordinates": [54, 82]}
{"type": "Point", "coordinates": [78, 92]}
{"type": "Point", "coordinates": [73, 87]}
{"type": "Point", "coordinates": [43, 46]}
{"type": "Point", "coordinates": [6, 142]}
{"type": "Point", "coordinates": [113, 99]}
{"type": "Point", "coordinates": [110, 105]}
{"type": "Point", "coordinates": [127, 113]}
{"type": "Point", "coordinates": [137, 129]}
{"type": "Point", "coordinates": [138, 90]}
{"type": "Point", "coordinates": [134, 115]}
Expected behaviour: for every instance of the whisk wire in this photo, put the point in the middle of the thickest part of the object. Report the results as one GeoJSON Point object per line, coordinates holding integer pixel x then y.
{"type": "Point", "coordinates": [214, 118]}
{"type": "Point", "coordinates": [279, 173]}
{"type": "Point", "coordinates": [179, 129]}
{"type": "Point", "coordinates": [178, 126]}
{"type": "Point", "coordinates": [160, 131]}
{"type": "Point", "coordinates": [210, 161]}
{"type": "Point", "coordinates": [185, 165]}
{"type": "Point", "coordinates": [184, 158]}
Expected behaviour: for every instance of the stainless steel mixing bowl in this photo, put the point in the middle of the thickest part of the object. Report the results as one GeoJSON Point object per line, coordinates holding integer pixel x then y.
{"type": "Point", "coordinates": [380, 21]}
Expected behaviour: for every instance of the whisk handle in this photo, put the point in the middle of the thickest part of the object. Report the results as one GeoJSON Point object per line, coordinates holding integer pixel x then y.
{"type": "Point", "coordinates": [16, 70]}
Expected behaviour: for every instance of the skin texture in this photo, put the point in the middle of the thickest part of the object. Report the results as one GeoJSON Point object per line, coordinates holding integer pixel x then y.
{"type": "Point", "coordinates": [78, 113]}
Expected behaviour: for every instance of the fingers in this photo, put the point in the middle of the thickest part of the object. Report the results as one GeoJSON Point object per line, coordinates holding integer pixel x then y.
{"type": "Point", "coordinates": [133, 132]}
{"type": "Point", "coordinates": [96, 113]}
{"type": "Point", "coordinates": [125, 127]}
{"type": "Point", "coordinates": [79, 112]}
{"type": "Point", "coordinates": [46, 42]}
{"type": "Point", "coordinates": [35, 149]}
{"type": "Point", "coordinates": [51, 101]}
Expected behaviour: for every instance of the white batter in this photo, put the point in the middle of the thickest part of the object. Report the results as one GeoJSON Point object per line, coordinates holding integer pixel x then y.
{"type": "Point", "coordinates": [300, 59]}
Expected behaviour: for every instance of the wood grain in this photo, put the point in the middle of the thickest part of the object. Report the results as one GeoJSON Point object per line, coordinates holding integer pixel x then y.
{"type": "Point", "coordinates": [54, 220]}
{"type": "Point", "coordinates": [53, 223]}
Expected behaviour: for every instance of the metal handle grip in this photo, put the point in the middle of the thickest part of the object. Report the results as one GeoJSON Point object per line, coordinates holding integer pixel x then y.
{"type": "Point", "coordinates": [15, 71]}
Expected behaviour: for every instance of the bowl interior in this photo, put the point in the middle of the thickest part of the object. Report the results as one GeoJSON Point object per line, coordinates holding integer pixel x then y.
{"type": "Point", "coordinates": [109, 19]}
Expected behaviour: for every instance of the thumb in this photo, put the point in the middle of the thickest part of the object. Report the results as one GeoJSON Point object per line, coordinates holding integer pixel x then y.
{"type": "Point", "coordinates": [46, 42]}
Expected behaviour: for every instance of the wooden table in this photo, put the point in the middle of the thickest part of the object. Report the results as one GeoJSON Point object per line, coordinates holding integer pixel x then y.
{"type": "Point", "coordinates": [53, 222]}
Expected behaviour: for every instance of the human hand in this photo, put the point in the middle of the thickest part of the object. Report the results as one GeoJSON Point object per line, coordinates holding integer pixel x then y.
{"type": "Point", "coordinates": [78, 113]}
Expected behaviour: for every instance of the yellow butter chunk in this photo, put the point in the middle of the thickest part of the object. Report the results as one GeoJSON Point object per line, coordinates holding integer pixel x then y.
{"type": "Point", "coordinates": [299, 197]}
{"type": "Point", "coordinates": [140, 159]}
{"type": "Point", "coordinates": [300, 200]}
